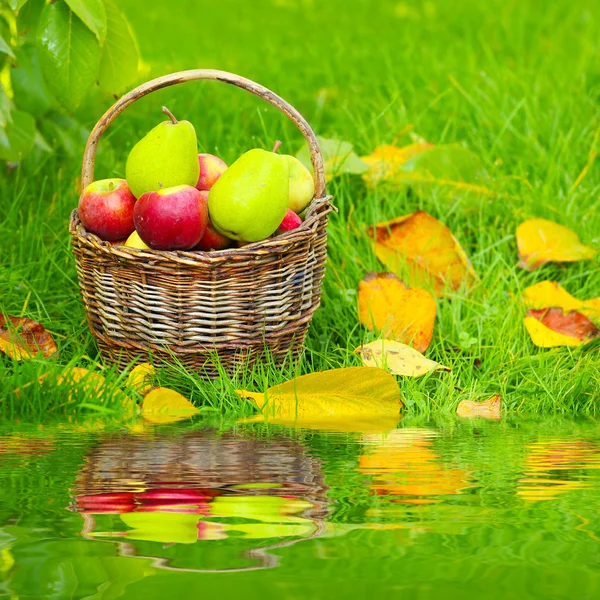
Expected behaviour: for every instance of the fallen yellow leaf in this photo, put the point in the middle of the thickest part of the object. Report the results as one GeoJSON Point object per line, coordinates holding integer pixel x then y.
{"type": "Point", "coordinates": [398, 358]}
{"type": "Point", "coordinates": [21, 338]}
{"type": "Point", "coordinates": [162, 405]}
{"type": "Point", "coordinates": [93, 385]}
{"type": "Point", "coordinates": [387, 305]}
{"type": "Point", "coordinates": [540, 241]}
{"type": "Point", "coordinates": [488, 409]}
{"type": "Point", "coordinates": [140, 378]}
{"type": "Point", "coordinates": [354, 393]}
{"type": "Point", "coordinates": [551, 327]}
{"type": "Point", "coordinates": [384, 161]}
{"type": "Point", "coordinates": [546, 294]}
{"type": "Point", "coordinates": [424, 250]}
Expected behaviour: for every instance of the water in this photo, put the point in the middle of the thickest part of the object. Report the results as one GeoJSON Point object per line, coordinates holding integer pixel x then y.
{"type": "Point", "coordinates": [454, 509]}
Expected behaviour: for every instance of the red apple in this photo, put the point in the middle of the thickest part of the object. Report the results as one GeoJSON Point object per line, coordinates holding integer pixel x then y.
{"type": "Point", "coordinates": [290, 221]}
{"type": "Point", "coordinates": [106, 209]}
{"type": "Point", "coordinates": [212, 239]}
{"type": "Point", "coordinates": [173, 218]}
{"type": "Point", "coordinates": [211, 168]}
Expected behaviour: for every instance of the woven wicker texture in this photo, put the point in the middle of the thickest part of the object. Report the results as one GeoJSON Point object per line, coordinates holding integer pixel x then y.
{"type": "Point", "coordinates": [238, 304]}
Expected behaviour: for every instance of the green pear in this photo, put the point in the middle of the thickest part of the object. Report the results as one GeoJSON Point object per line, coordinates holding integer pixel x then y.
{"type": "Point", "coordinates": [167, 156]}
{"type": "Point", "coordinates": [302, 185]}
{"type": "Point", "coordinates": [249, 201]}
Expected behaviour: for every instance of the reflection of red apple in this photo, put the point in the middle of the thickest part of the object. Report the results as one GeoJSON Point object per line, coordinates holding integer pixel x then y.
{"type": "Point", "coordinates": [212, 239]}
{"type": "Point", "coordinates": [200, 508]}
{"type": "Point", "coordinates": [115, 503]}
{"type": "Point", "coordinates": [164, 495]}
{"type": "Point", "coordinates": [106, 209]}
{"type": "Point", "coordinates": [173, 218]}
{"type": "Point", "coordinates": [211, 168]}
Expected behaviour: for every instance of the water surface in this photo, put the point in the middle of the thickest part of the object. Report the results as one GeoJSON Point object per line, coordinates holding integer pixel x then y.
{"type": "Point", "coordinates": [470, 509]}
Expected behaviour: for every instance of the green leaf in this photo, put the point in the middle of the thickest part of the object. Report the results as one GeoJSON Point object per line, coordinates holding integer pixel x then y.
{"type": "Point", "coordinates": [446, 162]}
{"type": "Point", "coordinates": [5, 48]}
{"type": "Point", "coordinates": [64, 132]}
{"type": "Point", "coordinates": [338, 158]}
{"type": "Point", "coordinates": [30, 90]}
{"type": "Point", "coordinates": [28, 18]}
{"type": "Point", "coordinates": [20, 135]}
{"type": "Point", "coordinates": [16, 4]}
{"type": "Point", "coordinates": [69, 54]}
{"type": "Point", "coordinates": [6, 107]}
{"type": "Point", "coordinates": [120, 56]}
{"type": "Point", "coordinates": [93, 15]}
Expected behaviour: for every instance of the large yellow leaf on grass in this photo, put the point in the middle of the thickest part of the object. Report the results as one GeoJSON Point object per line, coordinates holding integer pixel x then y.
{"type": "Point", "coordinates": [351, 394]}
{"type": "Point", "coordinates": [540, 241]}
{"type": "Point", "coordinates": [398, 358]}
{"type": "Point", "coordinates": [162, 405]}
{"type": "Point", "coordinates": [546, 294]}
{"type": "Point", "coordinates": [387, 305]}
{"type": "Point", "coordinates": [422, 249]}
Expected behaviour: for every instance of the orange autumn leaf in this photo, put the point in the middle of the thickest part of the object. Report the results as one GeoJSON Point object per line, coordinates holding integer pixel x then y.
{"type": "Point", "coordinates": [488, 409]}
{"type": "Point", "coordinates": [550, 327]}
{"type": "Point", "coordinates": [540, 241]}
{"type": "Point", "coordinates": [388, 306]}
{"type": "Point", "coordinates": [550, 293]}
{"type": "Point", "coordinates": [424, 250]}
{"type": "Point", "coordinates": [22, 338]}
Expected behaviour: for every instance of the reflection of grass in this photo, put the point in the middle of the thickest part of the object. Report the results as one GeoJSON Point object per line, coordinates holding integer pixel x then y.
{"type": "Point", "coordinates": [515, 85]}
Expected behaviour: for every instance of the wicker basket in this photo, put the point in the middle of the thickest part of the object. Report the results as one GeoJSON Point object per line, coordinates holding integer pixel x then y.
{"type": "Point", "coordinates": [235, 305]}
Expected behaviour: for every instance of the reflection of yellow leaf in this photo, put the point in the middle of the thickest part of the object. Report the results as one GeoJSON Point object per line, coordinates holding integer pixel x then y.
{"type": "Point", "coordinates": [354, 393]}
{"type": "Point", "coordinates": [546, 459]}
{"type": "Point", "coordinates": [488, 409]}
{"type": "Point", "coordinates": [162, 405]}
{"type": "Point", "coordinates": [541, 241]}
{"type": "Point", "coordinates": [405, 464]}
{"type": "Point", "coordinates": [424, 250]}
{"type": "Point", "coordinates": [21, 338]}
{"type": "Point", "coordinates": [546, 294]}
{"type": "Point", "coordinates": [140, 378]}
{"type": "Point", "coordinates": [376, 424]}
{"type": "Point", "coordinates": [387, 305]}
{"type": "Point", "coordinates": [399, 358]}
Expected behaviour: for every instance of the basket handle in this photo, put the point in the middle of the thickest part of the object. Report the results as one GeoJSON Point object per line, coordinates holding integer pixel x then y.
{"type": "Point", "coordinates": [87, 173]}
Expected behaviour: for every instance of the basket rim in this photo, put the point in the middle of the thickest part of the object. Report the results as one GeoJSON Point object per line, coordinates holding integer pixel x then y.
{"type": "Point", "coordinates": [318, 208]}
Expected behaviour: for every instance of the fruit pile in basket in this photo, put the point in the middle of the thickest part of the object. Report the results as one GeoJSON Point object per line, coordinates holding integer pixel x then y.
{"type": "Point", "coordinates": [176, 199]}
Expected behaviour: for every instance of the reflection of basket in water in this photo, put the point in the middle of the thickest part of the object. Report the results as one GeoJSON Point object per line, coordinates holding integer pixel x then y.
{"type": "Point", "coordinates": [204, 460]}
{"type": "Point", "coordinates": [249, 490]}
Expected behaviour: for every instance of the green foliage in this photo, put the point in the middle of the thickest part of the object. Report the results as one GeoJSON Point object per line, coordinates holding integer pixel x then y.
{"type": "Point", "coordinates": [56, 53]}
{"type": "Point", "coordinates": [120, 57]}
{"type": "Point", "coordinates": [69, 54]}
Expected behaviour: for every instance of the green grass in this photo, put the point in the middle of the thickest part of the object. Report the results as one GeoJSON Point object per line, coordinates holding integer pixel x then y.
{"type": "Point", "coordinates": [517, 83]}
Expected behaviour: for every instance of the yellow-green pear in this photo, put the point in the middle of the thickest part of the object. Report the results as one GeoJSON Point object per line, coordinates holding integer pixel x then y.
{"type": "Point", "coordinates": [249, 200]}
{"type": "Point", "coordinates": [302, 184]}
{"type": "Point", "coordinates": [167, 156]}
